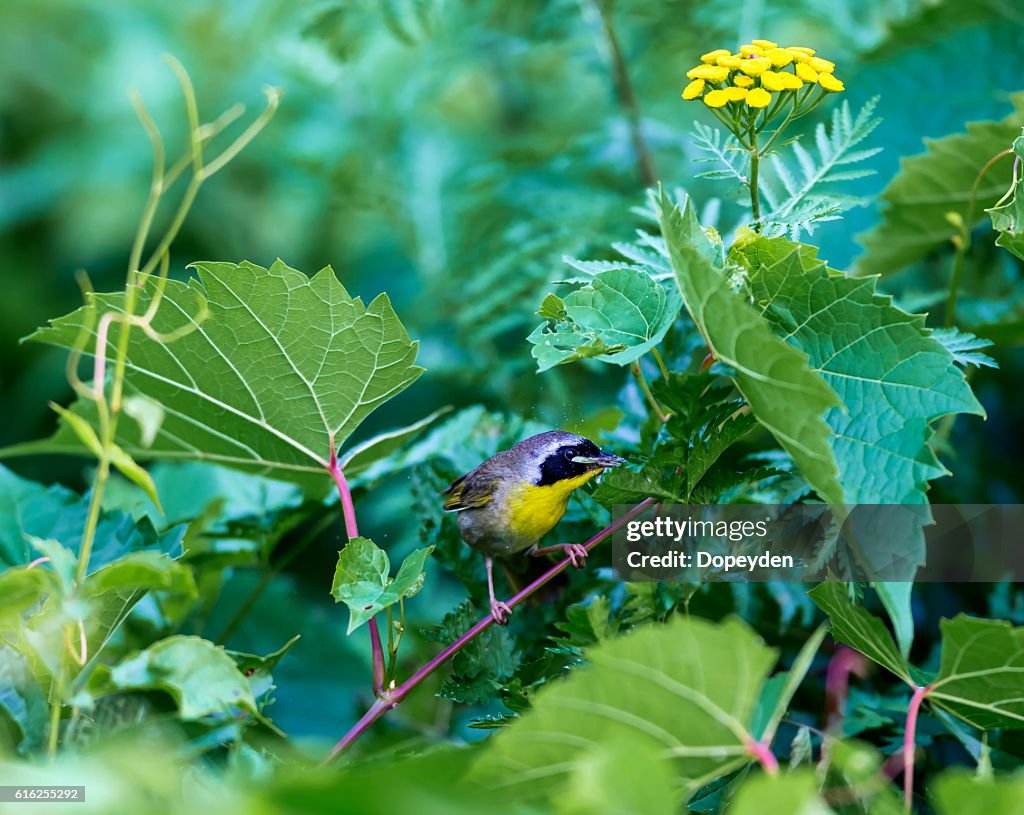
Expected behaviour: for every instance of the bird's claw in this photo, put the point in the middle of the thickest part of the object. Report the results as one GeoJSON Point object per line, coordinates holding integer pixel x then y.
{"type": "Point", "coordinates": [500, 612]}
{"type": "Point", "coordinates": [577, 554]}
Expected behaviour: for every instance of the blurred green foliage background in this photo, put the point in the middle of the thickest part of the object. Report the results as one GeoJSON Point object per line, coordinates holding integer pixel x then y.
{"type": "Point", "coordinates": [448, 152]}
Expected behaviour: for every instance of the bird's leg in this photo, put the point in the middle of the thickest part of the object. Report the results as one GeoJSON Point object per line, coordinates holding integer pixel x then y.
{"type": "Point", "coordinates": [576, 552]}
{"type": "Point", "coordinates": [499, 611]}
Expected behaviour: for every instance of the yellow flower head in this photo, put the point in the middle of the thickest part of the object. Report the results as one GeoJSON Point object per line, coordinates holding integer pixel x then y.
{"type": "Point", "coordinates": [694, 89]}
{"type": "Point", "coordinates": [830, 83]}
{"type": "Point", "coordinates": [730, 61]}
{"type": "Point", "coordinates": [751, 50]}
{"type": "Point", "coordinates": [806, 72]}
{"type": "Point", "coordinates": [755, 66]}
{"type": "Point", "coordinates": [758, 98]}
{"type": "Point", "coordinates": [711, 56]}
{"type": "Point", "coordinates": [742, 81]}
{"type": "Point", "coordinates": [715, 99]}
{"type": "Point", "coordinates": [791, 82]}
{"type": "Point", "coordinates": [802, 50]}
{"type": "Point", "coordinates": [734, 94]}
{"type": "Point", "coordinates": [772, 81]}
{"type": "Point", "coordinates": [780, 57]}
{"type": "Point", "coordinates": [822, 66]}
{"type": "Point", "coordinates": [767, 45]}
{"type": "Point", "coordinates": [712, 73]}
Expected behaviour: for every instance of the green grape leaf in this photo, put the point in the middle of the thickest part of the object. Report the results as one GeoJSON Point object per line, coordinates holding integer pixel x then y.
{"type": "Point", "coordinates": [201, 677]}
{"type": "Point", "coordinates": [785, 395]}
{"type": "Point", "coordinates": [362, 579]}
{"type": "Point", "coordinates": [688, 689]}
{"type": "Point", "coordinates": [859, 628]}
{"type": "Point", "coordinates": [625, 777]}
{"type": "Point", "coordinates": [281, 365]}
{"type": "Point", "coordinates": [918, 202]}
{"type": "Point", "coordinates": [780, 795]}
{"type": "Point", "coordinates": [981, 672]}
{"type": "Point", "coordinates": [893, 377]}
{"type": "Point", "coordinates": [617, 317]}
{"type": "Point", "coordinates": [958, 792]}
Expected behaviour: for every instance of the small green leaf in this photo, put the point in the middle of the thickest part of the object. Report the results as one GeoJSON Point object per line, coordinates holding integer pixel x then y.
{"type": "Point", "coordinates": [859, 628]}
{"type": "Point", "coordinates": [148, 415]}
{"type": "Point", "coordinates": [362, 581]}
{"type": "Point", "coordinates": [202, 678]}
{"type": "Point", "coordinates": [617, 317]}
{"type": "Point", "coordinates": [127, 466]}
{"type": "Point", "coordinates": [141, 571]}
{"type": "Point", "coordinates": [22, 588]}
{"type": "Point", "coordinates": [552, 307]}
{"type": "Point", "coordinates": [958, 792]}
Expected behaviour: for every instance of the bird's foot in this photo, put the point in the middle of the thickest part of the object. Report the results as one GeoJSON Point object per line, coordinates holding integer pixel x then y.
{"type": "Point", "coordinates": [577, 554]}
{"type": "Point", "coordinates": [500, 612]}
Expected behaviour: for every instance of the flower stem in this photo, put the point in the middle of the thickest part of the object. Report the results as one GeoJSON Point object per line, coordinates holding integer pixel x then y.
{"type": "Point", "coordinates": [755, 198]}
{"type": "Point", "coordinates": [392, 698]}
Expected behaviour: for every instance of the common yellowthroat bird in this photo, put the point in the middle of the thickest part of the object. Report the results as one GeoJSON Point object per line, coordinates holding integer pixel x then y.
{"type": "Point", "coordinates": [513, 499]}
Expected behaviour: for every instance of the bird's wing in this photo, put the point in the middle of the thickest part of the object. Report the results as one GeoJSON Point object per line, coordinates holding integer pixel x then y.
{"type": "Point", "coordinates": [475, 489]}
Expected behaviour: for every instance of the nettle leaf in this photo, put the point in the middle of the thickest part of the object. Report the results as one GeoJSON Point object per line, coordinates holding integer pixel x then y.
{"type": "Point", "coordinates": [202, 677]}
{"type": "Point", "coordinates": [893, 378]}
{"type": "Point", "coordinates": [918, 202]}
{"type": "Point", "coordinates": [617, 317]}
{"type": "Point", "coordinates": [362, 579]}
{"type": "Point", "coordinates": [786, 396]}
{"type": "Point", "coordinates": [282, 364]}
{"type": "Point", "coordinates": [687, 689]}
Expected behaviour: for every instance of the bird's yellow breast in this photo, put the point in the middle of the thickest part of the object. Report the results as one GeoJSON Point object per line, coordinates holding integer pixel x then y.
{"type": "Point", "coordinates": [533, 510]}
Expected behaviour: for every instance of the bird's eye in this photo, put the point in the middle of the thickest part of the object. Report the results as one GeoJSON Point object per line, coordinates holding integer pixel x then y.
{"type": "Point", "coordinates": [568, 453]}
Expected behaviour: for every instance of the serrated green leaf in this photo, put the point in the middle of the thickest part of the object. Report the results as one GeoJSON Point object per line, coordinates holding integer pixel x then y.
{"type": "Point", "coordinates": [282, 364]}
{"type": "Point", "coordinates": [201, 677]}
{"type": "Point", "coordinates": [981, 672]}
{"type": "Point", "coordinates": [617, 317]}
{"type": "Point", "coordinates": [371, 458]}
{"type": "Point", "coordinates": [859, 628]}
{"type": "Point", "coordinates": [141, 571]}
{"type": "Point", "coordinates": [362, 579]}
{"type": "Point", "coordinates": [893, 378]}
{"type": "Point", "coordinates": [687, 689]}
{"type": "Point", "coordinates": [785, 395]}
{"type": "Point", "coordinates": [929, 186]}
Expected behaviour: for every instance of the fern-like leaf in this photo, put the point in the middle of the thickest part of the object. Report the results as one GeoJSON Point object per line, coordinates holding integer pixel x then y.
{"type": "Point", "coordinates": [732, 160]}
{"type": "Point", "coordinates": [804, 172]}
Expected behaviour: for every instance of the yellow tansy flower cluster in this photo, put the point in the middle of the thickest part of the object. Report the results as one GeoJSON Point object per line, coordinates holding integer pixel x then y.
{"type": "Point", "coordinates": [753, 76]}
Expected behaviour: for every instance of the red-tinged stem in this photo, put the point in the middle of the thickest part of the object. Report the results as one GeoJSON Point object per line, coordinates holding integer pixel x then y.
{"type": "Point", "coordinates": [348, 510]}
{"type": "Point", "coordinates": [764, 755]}
{"type": "Point", "coordinates": [909, 743]}
{"type": "Point", "coordinates": [392, 698]}
{"type": "Point", "coordinates": [846, 661]}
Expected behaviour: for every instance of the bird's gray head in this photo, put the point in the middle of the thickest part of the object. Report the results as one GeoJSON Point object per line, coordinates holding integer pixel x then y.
{"type": "Point", "coordinates": [556, 456]}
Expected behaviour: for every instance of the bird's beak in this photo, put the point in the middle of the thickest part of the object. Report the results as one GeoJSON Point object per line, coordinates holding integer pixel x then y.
{"type": "Point", "coordinates": [604, 460]}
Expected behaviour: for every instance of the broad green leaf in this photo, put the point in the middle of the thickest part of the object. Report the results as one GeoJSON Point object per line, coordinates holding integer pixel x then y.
{"type": "Point", "coordinates": [362, 579]}
{"type": "Point", "coordinates": [917, 203]}
{"type": "Point", "coordinates": [201, 677]}
{"type": "Point", "coordinates": [957, 792]}
{"type": "Point", "coordinates": [687, 689]}
{"type": "Point", "coordinates": [617, 317]}
{"type": "Point", "coordinates": [282, 365]}
{"type": "Point", "coordinates": [140, 571]}
{"type": "Point", "coordinates": [30, 510]}
{"type": "Point", "coordinates": [893, 378]}
{"type": "Point", "coordinates": [371, 457]}
{"type": "Point", "coordinates": [22, 588]}
{"type": "Point", "coordinates": [981, 672]}
{"type": "Point", "coordinates": [795, 792]}
{"type": "Point", "coordinates": [859, 628]}
{"type": "Point", "coordinates": [622, 777]}
{"type": "Point", "coordinates": [785, 395]}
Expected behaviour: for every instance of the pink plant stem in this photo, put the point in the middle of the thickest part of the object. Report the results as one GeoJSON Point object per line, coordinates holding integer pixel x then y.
{"type": "Point", "coordinates": [764, 755]}
{"type": "Point", "coordinates": [844, 662]}
{"type": "Point", "coordinates": [909, 743]}
{"type": "Point", "coordinates": [392, 698]}
{"type": "Point", "coordinates": [37, 561]}
{"type": "Point", "coordinates": [348, 510]}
